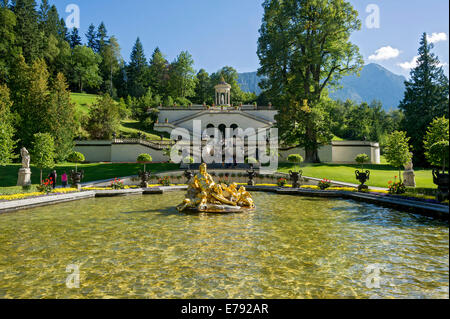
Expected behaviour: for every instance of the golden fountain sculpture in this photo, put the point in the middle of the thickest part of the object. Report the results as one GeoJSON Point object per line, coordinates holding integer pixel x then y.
{"type": "Point", "coordinates": [204, 195]}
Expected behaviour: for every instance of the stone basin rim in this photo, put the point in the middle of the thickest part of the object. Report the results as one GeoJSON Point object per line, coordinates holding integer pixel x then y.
{"type": "Point", "coordinates": [431, 210]}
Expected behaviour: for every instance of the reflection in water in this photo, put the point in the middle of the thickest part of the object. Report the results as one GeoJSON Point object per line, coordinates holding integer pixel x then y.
{"type": "Point", "coordinates": [290, 247]}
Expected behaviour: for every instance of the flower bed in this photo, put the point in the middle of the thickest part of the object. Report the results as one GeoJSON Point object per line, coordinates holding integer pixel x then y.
{"type": "Point", "coordinates": [36, 194]}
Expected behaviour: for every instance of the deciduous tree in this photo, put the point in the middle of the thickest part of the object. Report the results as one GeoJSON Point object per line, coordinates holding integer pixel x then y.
{"type": "Point", "coordinates": [7, 142]}
{"type": "Point", "coordinates": [63, 124]}
{"type": "Point", "coordinates": [43, 151]}
{"type": "Point", "coordinates": [182, 76]}
{"type": "Point", "coordinates": [438, 131]}
{"type": "Point", "coordinates": [85, 67]}
{"type": "Point", "coordinates": [104, 118]}
{"type": "Point", "coordinates": [397, 150]}
{"type": "Point", "coordinates": [304, 47]}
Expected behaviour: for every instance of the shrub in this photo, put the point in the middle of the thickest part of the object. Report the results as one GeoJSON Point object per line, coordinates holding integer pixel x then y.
{"type": "Point", "coordinates": [188, 160]}
{"type": "Point", "coordinates": [324, 184]}
{"type": "Point", "coordinates": [361, 159]}
{"type": "Point", "coordinates": [104, 118]}
{"type": "Point", "coordinates": [295, 158]}
{"type": "Point", "coordinates": [117, 184]}
{"type": "Point", "coordinates": [182, 101]}
{"type": "Point", "coordinates": [439, 153]}
{"type": "Point", "coordinates": [144, 158]}
{"type": "Point", "coordinates": [45, 186]}
{"type": "Point", "coordinates": [281, 181]}
{"type": "Point", "coordinates": [76, 157]}
{"type": "Point", "coordinates": [396, 187]}
{"type": "Point", "coordinates": [438, 131]}
{"type": "Point", "coordinates": [165, 181]}
{"type": "Point", "coordinates": [251, 160]}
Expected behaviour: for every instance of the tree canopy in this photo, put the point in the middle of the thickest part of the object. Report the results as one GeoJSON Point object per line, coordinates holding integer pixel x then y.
{"type": "Point", "coordinates": [304, 47]}
{"type": "Point", "coordinates": [426, 97]}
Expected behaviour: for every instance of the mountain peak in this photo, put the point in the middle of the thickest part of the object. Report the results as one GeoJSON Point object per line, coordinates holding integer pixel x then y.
{"type": "Point", "coordinates": [374, 83]}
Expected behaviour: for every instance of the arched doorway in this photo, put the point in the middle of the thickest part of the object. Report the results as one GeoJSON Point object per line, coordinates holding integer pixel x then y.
{"type": "Point", "coordinates": [233, 129]}
{"type": "Point", "coordinates": [222, 128]}
{"type": "Point", "coordinates": [210, 130]}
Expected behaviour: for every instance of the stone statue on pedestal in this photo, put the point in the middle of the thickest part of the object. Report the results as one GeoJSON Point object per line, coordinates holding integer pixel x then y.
{"type": "Point", "coordinates": [408, 175]}
{"type": "Point", "coordinates": [24, 178]}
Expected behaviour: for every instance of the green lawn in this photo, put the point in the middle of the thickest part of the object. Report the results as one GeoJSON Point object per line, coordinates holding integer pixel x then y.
{"type": "Point", "coordinates": [83, 101]}
{"type": "Point", "coordinates": [128, 128]}
{"type": "Point", "coordinates": [380, 175]}
{"type": "Point", "coordinates": [93, 172]}
{"type": "Point", "coordinates": [132, 127]}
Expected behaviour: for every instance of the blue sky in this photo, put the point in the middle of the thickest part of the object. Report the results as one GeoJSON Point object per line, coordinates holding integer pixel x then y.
{"type": "Point", "coordinates": [219, 33]}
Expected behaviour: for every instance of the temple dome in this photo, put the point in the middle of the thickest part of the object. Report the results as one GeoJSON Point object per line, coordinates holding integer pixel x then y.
{"type": "Point", "coordinates": [223, 84]}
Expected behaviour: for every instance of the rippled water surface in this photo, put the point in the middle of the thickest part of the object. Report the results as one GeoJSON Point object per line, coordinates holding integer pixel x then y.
{"type": "Point", "coordinates": [290, 247]}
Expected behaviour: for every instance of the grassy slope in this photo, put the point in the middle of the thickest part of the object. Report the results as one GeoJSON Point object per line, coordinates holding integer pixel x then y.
{"type": "Point", "coordinates": [380, 175]}
{"type": "Point", "coordinates": [93, 172]}
{"type": "Point", "coordinates": [127, 127]}
{"type": "Point", "coordinates": [83, 101]}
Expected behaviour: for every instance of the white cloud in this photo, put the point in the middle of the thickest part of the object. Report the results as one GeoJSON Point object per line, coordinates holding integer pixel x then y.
{"type": "Point", "coordinates": [437, 37]}
{"type": "Point", "coordinates": [385, 53]}
{"type": "Point", "coordinates": [409, 65]}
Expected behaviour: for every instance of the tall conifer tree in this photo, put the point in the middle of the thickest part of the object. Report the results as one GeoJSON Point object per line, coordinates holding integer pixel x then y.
{"type": "Point", "coordinates": [426, 97]}
{"type": "Point", "coordinates": [75, 38]}
{"type": "Point", "coordinates": [158, 73]}
{"type": "Point", "coordinates": [28, 35]}
{"type": "Point", "coordinates": [137, 71]}
{"type": "Point", "coordinates": [91, 37]}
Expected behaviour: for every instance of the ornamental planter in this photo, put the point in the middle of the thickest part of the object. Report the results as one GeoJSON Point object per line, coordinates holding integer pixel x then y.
{"type": "Point", "coordinates": [145, 177]}
{"type": "Point", "coordinates": [76, 178]}
{"type": "Point", "coordinates": [442, 181]}
{"type": "Point", "coordinates": [251, 175]}
{"type": "Point", "coordinates": [188, 173]}
{"type": "Point", "coordinates": [295, 176]}
{"type": "Point", "coordinates": [362, 177]}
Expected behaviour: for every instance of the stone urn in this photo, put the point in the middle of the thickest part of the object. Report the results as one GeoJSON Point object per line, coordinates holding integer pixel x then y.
{"type": "Point", "coordinates": [362, 177]}
{"type": "Point", "coordinates": [441, 179]}
{"type": "Point", "coordinates": [188, 173]}
{"type": "Point", "coordinates": [76, 178]}
{"type": "Point", "coordinates": [251, 175]}
{"type": "Point", "coordinates": [145, 177]}
{"type": "Point", "coordinates": [295, 177]}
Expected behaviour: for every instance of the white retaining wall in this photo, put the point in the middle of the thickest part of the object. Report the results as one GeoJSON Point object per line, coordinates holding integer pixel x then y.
{"type": "Point", "coordinates": [337, 152]}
